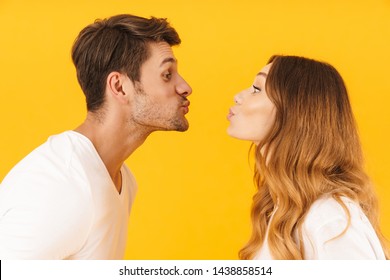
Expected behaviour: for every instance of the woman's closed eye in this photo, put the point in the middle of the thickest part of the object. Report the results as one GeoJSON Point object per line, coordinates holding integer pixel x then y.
{"type": "Point", "coordinates": [256, 89]}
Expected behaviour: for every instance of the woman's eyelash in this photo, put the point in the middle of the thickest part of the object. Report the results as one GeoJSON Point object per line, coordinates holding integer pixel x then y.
{"type": "Point", "coordinates": [256, 89]}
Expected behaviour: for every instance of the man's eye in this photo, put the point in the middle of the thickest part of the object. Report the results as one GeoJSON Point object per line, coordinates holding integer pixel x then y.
{"type": "Point", "coordinates": [256, 89]}
{"type": "Point", "coordinates": [167, 75]}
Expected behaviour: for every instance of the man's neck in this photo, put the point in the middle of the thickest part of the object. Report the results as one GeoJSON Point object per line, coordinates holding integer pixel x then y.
{"type": "Point", "coordinates": [114, 141]}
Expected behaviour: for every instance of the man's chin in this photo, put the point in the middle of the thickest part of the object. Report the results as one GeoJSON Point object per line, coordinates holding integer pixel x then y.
{"type": "Point", "coordinates": [182, 129]}
{"type": "Point", "coordinates": [179, 128]}
{"type": "Point", "coordinates": [180, 125]}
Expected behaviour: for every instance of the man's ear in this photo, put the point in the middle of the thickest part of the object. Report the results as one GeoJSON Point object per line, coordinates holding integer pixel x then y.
{"type": "Point", "coordinates": [118, 86]}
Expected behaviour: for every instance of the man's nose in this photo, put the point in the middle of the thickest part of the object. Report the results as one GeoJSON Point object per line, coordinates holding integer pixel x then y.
{"type": "Point", "coordinates": [183, 88]}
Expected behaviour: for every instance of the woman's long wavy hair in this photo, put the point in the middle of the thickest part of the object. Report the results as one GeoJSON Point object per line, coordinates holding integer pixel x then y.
{"type": "Point", "coordinates": [313, 149]}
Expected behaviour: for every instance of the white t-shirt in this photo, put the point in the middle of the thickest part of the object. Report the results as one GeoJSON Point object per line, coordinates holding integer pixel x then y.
{"type": "Point", "coordinates": [59, 202]}
{"type": "Point", "coordinates": [326, 219]}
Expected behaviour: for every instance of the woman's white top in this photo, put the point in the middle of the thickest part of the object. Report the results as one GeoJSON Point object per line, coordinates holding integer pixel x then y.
{"type": "Point", "coordinates": [326, 220]}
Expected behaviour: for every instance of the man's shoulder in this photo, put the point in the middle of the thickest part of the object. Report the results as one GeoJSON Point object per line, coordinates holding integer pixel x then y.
{"type": "Point", "coordinates": [56, 153]}
{"type": "Point", "coordinates": [55, 147]}
{"type": "Point", "coordinates": [46, 167]}
{"type": "Point", "coordinates": [63, 146]}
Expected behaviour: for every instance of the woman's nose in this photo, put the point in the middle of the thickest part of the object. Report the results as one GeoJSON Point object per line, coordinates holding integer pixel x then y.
{"type": "Point", "coordinates": [238, 98]}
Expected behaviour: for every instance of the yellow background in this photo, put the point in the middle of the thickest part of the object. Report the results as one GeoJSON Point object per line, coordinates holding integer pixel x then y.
{"type": "Point", "coordinates": [195, 188]}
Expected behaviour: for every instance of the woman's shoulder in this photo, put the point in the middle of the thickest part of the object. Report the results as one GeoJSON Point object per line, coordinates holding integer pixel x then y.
{"type": "Point", "coordinates": [327, 211]}
{"type": "Point", "coordinates": [331, 231]}
{"type": "Point", "coordinates": [329, 206]}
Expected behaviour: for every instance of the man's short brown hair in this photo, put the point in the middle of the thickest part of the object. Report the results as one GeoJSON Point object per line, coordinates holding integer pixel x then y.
{"type": "Point", "coordinates": [118, 43]}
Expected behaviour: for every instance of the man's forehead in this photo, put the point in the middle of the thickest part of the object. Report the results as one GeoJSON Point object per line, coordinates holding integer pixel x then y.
{"type": "Point", "coordinates": [162, 53]}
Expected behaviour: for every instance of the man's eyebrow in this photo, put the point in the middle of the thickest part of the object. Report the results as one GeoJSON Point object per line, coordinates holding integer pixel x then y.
{"type": "Point", "coordinates": [168, 59]}
{"type": "Point", "coordinates": [262, 74]}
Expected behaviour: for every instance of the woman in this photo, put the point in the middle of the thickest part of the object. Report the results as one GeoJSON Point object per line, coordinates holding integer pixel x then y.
{"type": "Point", "coordinates": [314, 200]}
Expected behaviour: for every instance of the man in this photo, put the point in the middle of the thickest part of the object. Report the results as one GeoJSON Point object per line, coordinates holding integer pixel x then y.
{"type": "Point", "coordinates": [71, 197]}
